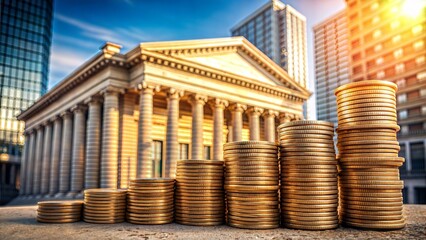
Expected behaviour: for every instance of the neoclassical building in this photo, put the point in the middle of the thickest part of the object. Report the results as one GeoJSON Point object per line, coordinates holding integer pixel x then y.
{"type": "Point", "coordinates": [121, 116]}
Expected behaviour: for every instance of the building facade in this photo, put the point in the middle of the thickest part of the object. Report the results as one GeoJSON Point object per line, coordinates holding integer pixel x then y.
{"type": "Point", "coordinates": [279, 31]}
{"type": "Point", "coordinates": [121, 116]}
{"type": "Point", "coordinates": [331, 63]}
{"type": "Point", "coordinates": [25, 39]}
{"type": "Point", "coordinates": [388, 42]}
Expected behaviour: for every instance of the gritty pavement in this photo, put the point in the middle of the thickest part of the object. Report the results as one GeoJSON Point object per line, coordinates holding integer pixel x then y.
{"type": "Point", "coordinates": [20, 223]}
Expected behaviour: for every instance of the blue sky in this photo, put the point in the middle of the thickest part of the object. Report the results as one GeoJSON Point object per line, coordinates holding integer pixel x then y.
{"type": "Point", "coordinates": [80, 27]}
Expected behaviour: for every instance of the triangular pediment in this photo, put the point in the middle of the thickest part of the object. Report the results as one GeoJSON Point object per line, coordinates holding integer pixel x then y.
{"type": "Point", "coordinates": [234, 55]}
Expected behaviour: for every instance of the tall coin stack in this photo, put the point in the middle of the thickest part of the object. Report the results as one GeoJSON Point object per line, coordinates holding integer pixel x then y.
{"type": "Point", "coordinates": [59, 211]}
{"type": "Point", "coordinates": [309, 189]}
{"type": "Point", "coordinates": [103, 205]}
{"type": "Point", "coordinates": [251, 184]}
{"type": "Point", "coordinates": [199, 195]}
{"type": "Point", "coordinates": [150, 201]}
{"type": "Point", "coordinates": [370, 188]}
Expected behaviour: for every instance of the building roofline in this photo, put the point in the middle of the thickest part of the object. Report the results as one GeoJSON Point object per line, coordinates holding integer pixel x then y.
{"type": "Point", "coordinates": [252, 15]}
{"type": "Point", "coordinates": [330, 18]}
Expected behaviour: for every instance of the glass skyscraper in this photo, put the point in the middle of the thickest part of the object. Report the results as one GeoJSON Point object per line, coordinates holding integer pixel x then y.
{"type": "Point", "coordinates": [25, 39]}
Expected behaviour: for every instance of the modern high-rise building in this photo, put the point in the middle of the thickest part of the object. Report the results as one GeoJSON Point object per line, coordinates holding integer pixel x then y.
{"type": "Point", "coordinates": [25, 39]}
{"type": "Point", "coordinates": [279, 31]}
{"type": "Point", "coordinates": [387, 41]}
{"type": "Point", "coordinates": [331, 63]}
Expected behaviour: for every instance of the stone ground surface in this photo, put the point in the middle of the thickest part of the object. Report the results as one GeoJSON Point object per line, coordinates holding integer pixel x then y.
{"type": "Point", "coordinates": [20, 223]}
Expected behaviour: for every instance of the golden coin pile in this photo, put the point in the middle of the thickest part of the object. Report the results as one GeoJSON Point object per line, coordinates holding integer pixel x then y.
{"type": "Point", "coordinates": [102, 205]}
{"type": "Point", "coordinates": [309, 189]}
{"type": "Point", "coordinates": [199, 195]}
{"type": "Point", "coordinates": [150, 201]}
{"type": "Point", "coordinates": [59, 211]}
{"type": "Point", "coordinates": [370, 188]}
{"type": "Point", "coordinates": [251, 184]}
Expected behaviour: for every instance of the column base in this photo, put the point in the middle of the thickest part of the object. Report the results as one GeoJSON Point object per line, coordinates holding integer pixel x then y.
{"type": "Point", "coordinates": [79, 195]}
{"type": "Point", "coordinates": [38, 196]}
{"type": "Point", "coordinates": [59, 195]}
{"type": "Point", "coordinates": [71, 195]}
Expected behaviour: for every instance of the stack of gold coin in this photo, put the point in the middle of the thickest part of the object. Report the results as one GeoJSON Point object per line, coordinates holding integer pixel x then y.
{"type": "Point", "coordinates": [199, 195]}
{"type": "Point", "coordinates": [59, 211]}
{"type": "Point", "coordinates": [150, 201]}
{"type": "Point", "coordinates": [251, 184]}
{"type": "Point", "coordinates": [370, 188]}
{"type": "Point", "coordinates": [103, 205]}
{"type": "Point", "coordinates": [309, 189]}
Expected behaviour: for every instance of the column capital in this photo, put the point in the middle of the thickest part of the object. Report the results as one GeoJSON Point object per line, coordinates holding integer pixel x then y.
{"type": "Point", "coordinates": [112, 90]}
{"type": "Point", "coordinates": [78, 108]}
{"type": "Point", "coordinates": [254, 111]}
{"type": "Point", "coordinates": [237, 107]}
{"type": "Point", "coordinates": [268, 113]}
{"type": "Point", "coordinates": [93, 99]}
{"type": "Point", "coordinates": [39, 127]}
{"type": "Point", "coordinates": [297, 117]}
{"type": "Point", "coordinates": [66, 114]}
{"type": "Point", "coordinates": [219, 103]}
{"type": "Point", "coordinates": [55, 118]}
{"type": "Point", "coordinates": [197, 98]}
{"type": "Point", "coordinates": [47, 122]}
{"type": "Point", "coordinates": [174, 93]}
{"type": "Point", "coordinates": [148, 87]}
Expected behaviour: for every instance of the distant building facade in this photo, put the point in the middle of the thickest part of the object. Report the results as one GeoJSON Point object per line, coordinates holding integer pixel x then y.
{"type": "Point", "coordinates": [331, 63]}
{"type": "Point", "coordinates": [126, 115]}
{"type": "Point", "coordinates": [387, 43]}
{"type": "Point", "coordinates": [25, 39]}
{"type": "Point", "coordinates": [279, 31]}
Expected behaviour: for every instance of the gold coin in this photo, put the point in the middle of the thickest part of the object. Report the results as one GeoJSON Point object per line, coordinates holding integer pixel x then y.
{"type": "Point", "coordinates": [105, 191]}
{"type": "Point", "coordinates": [375, 204]}
{"type": "Point", "coordinates": [369, 125]}
{"type": "Point", "coordinates": [60, 209]}
{"type": "Point", "coordinates": [307, 127]}
{"type": "Point", "coordinates": [42, 220]}
{"type": "Point", "coordinates": [356, 220]}
{"type": "Point", "coordinates": [199, 162]}
{"type": "Point", "coordinates": [245, 188]}
{"type": "Point", "coordinates": [393, 193]}
{"type": "Point", "coordinates": [366, 85]}
{"type": "Point", "coordinates": [311, 201]}
{"type": "Point", "coordinates": [254, 146]}
{"type": "Point", "coordinates": [376, 226]}
{"type": "Point", "coordinates": [165, 181]}
{"type": "Point", "coordinates": [308, 191]}
{"type": "Point", "coordinates": [367, 92]}
{"type": "Point", "coordinates": [243, 151]}
{"type": "Point", "coordinates": [251, 142]}
{"type": "Point", "coordinates": [286, 162]}
{"type": "Point", "coordinates": [250, 163]}
{"type": "Point", "coordinates": [356, 97]}
{"type": "Point", "coordinates": [251, 199]}
{"type": "Point", "coordinates": [60, 203]}
{"type": "Point", "coordinates": [102, 221]}
{"type": "Point", "coordinates": [370, 217]}
{"type": "Point", "coordinates": [261, 183]}
{"type": "Point", "coordinates": [362, 112]}
{"type": "Point", "coordinates": [249, 155]}
{"type": "Point", "coordinates": [257, 219]}
{"type": "Point", "coordinates": [269, 160]}
{"type": "Point", "coordinates": [302, 210]}
{"type": "Point", "coordinates": [361, 102]}
{"type": "Point", "coordinates": [307, 154]}
{"type": "Point", "coordinates": [150, 222]}
{"type": "Point", "coordinates": [366, 106]}
{"type": "Point", "coordinates": [300, 132]}
{"type": "Point", "coordinates": [320, 137]}
{"type": "Point", "coordinates": [213, 222]}
{"type": "Point", "coordinates": [306, 122]}
{"type": "Point", "coordinates": [53, 217]}
{"type": "Point", "coordinates": [369, 154]}
{"type": "Point", "coordinates": [307, 179]}
{"type": "Point", "coordinates": [306, 144]}
{"type": "Point", "coordinates": [367, 213]}
{"type": "Point", "coordinates": [260, 226]}
{"type": "Point", "coordinates": [286, 171]}
{"type": "Point", "coordinates": [310, 214]}
{"type": "Point", "coordinates": [295, 141]}
{"type": "Point", "coordinates": [311, 227]}
{"type": "Point", "coordinates": [313, 197]}
{"type": "Point", "coordinates": [371, 208]}
{"type": "Point", "coordinates": [51, 213]}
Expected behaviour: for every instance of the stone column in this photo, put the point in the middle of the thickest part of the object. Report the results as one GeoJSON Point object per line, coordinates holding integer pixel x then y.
{"type": "Point", "coordinates": [38, 161]}
{"type": "Point", "coordinates": [56, 156]}
{"type": "Point", "coordinates": [12, 176]}
{"type": "Point", "coordinates": [172, 144]}
{"type": "Point", "coordinates": [109, 157]}
{"type": "Point", "coordinates": [66, 151]}
{"type": "Point", "coordinates": [144, 166]}
{"type": "Point", "coordinates": [254, 122]}
{"type": "Point", "coordinates": [237, 120]}
{"type": "Point", "coordinates": [269, 125]}
{"type": "Point", "coordinates": [78, 149]}
{"type": "Point", "coordinates": [24, 165]}
{"type": "Point", "coordinates": [285, 117]}
{"type": "Point", "coordinates": [128, 139]}
{"type": "Point", "coordinates": [30, 165]}
{"type": "Point", "coordinates": [93, 143]}
{"type": "Point", "coordinates": [47, 150]}
{"type": "Point", "coordinates": [197, 102]}
{"type": "Point", "coordinates": [218, 121]}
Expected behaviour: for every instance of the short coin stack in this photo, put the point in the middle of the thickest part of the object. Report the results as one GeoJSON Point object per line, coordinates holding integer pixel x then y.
{"type": "Point", "coordinates": [104, 205]}
{"type": "Point", "coordinates": [150, 201]}
{"type": "Point", "coordinates": [251, 184]}
{"type": "Point", "coordinates": [199, 195]}
{"type": "Point", "coordinates": [370, 188]}
{"type": "Point", "coordinates": [309, 189]}
{"type": "Point", "coordinates": [59, 211]}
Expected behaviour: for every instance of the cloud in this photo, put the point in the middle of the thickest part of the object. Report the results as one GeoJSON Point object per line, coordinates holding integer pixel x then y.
{"type": "Point", "coordinates": [128, 37]}
{"type": "Point", "coordinates": [73, 41]}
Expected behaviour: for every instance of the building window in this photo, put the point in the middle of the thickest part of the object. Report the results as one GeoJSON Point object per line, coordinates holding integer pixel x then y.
{"type": "Point", "coordinates": [420, 193]}
{"type": "Point", "coordinates": [423, 92]}
{"type": "Point", "coordinates": [378, 47]}
{"type": "Point", "coordinates": [417, 154]}
{"type": "Point", "coordinates": [379, 61]}
{"type": "Point", "coordinates": [381, 74]}
{"type": "Point", "coordinates": [421, 76]}
{"type": "Point", "coordinates": [420, 60]}
{"type": "Point", "coordinates": [374, 6]}
{"type": "Point", "coordinates": [402, 98]}
{"type": "Point", "coordinates": [405, 195]}
{"type": "Point", "coordinates": [400, 83]}
{"type": "Point", "coordinates": [183, 151]}
{"type": "Point", "coordinates": [395, 24]}
{"type": "Point", "coordinates": [396, 38]}
{"type": "Point", "coordinates": [417, 29]}
{"type": "Point", "coordinates": [157, 158]}
{"type": "Point", "coordinates": [377, 33]}
{"type": "Point", "coordinates": [402, 114]}
{"type": "Point", "coordinates": [402, 153]}
{"type": "Point", "coordinates": [399, 68]}
{"type": "Point", "coordinates": [413, 95]}
{"type": "Point", "coordinates": [376, 20]}
{"type": "Point", "coordinates": [398, 53]}
{"type": "Point", "coordinates": [418, 45]}
{"type": "Point", "coordinates": [207, 152]}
